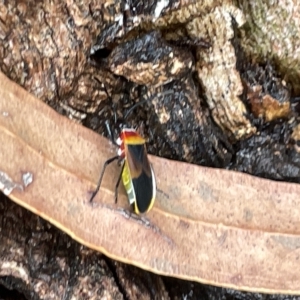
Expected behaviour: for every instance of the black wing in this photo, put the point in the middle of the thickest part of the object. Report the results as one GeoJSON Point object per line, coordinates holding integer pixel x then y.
{"type": "Point", "coordinates": [142, 177]}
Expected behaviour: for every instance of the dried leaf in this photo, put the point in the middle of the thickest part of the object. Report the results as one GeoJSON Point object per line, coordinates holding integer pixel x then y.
{"type": "Point", "coordinates": [214, 226]}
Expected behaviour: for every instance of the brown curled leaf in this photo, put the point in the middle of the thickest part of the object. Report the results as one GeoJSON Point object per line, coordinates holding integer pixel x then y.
{"type": "Point", "coordinates": [209, 225]}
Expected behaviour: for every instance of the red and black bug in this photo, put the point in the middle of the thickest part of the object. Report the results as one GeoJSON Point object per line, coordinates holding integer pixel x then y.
{"type": "Point", "coordinates": [137, 173]}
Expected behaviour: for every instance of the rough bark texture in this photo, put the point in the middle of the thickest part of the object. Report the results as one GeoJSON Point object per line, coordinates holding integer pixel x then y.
{"type": "Point", "coordinates": [272, 33]}
{"type": "Point", "coordinates": [45, 48]}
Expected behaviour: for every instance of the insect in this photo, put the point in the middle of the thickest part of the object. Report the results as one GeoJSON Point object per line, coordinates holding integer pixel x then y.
{"type": "Point", "coordinates": [136, 173]}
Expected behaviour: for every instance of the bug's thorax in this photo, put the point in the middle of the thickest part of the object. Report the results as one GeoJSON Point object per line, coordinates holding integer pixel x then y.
{"type": "Point", "coordinates": [128, 136]}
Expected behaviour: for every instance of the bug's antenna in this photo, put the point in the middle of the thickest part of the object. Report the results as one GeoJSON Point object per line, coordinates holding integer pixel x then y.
{"type": "Point", "coordinates": [110, 133]}
{"type": "Point", "coordinates": [107, 125]}
{"type": "Point", "coordinates": [134, 106]}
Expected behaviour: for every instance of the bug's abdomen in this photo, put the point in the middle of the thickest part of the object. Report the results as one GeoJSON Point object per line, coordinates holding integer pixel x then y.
{"type": "Point", "coordinates": [127, 181]}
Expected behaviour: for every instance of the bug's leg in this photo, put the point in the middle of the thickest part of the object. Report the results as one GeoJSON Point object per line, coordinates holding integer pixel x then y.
{"type": "Point", "coordinates": [101, 176]}
{"type": "Point", "coordinates": [118, 183]}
